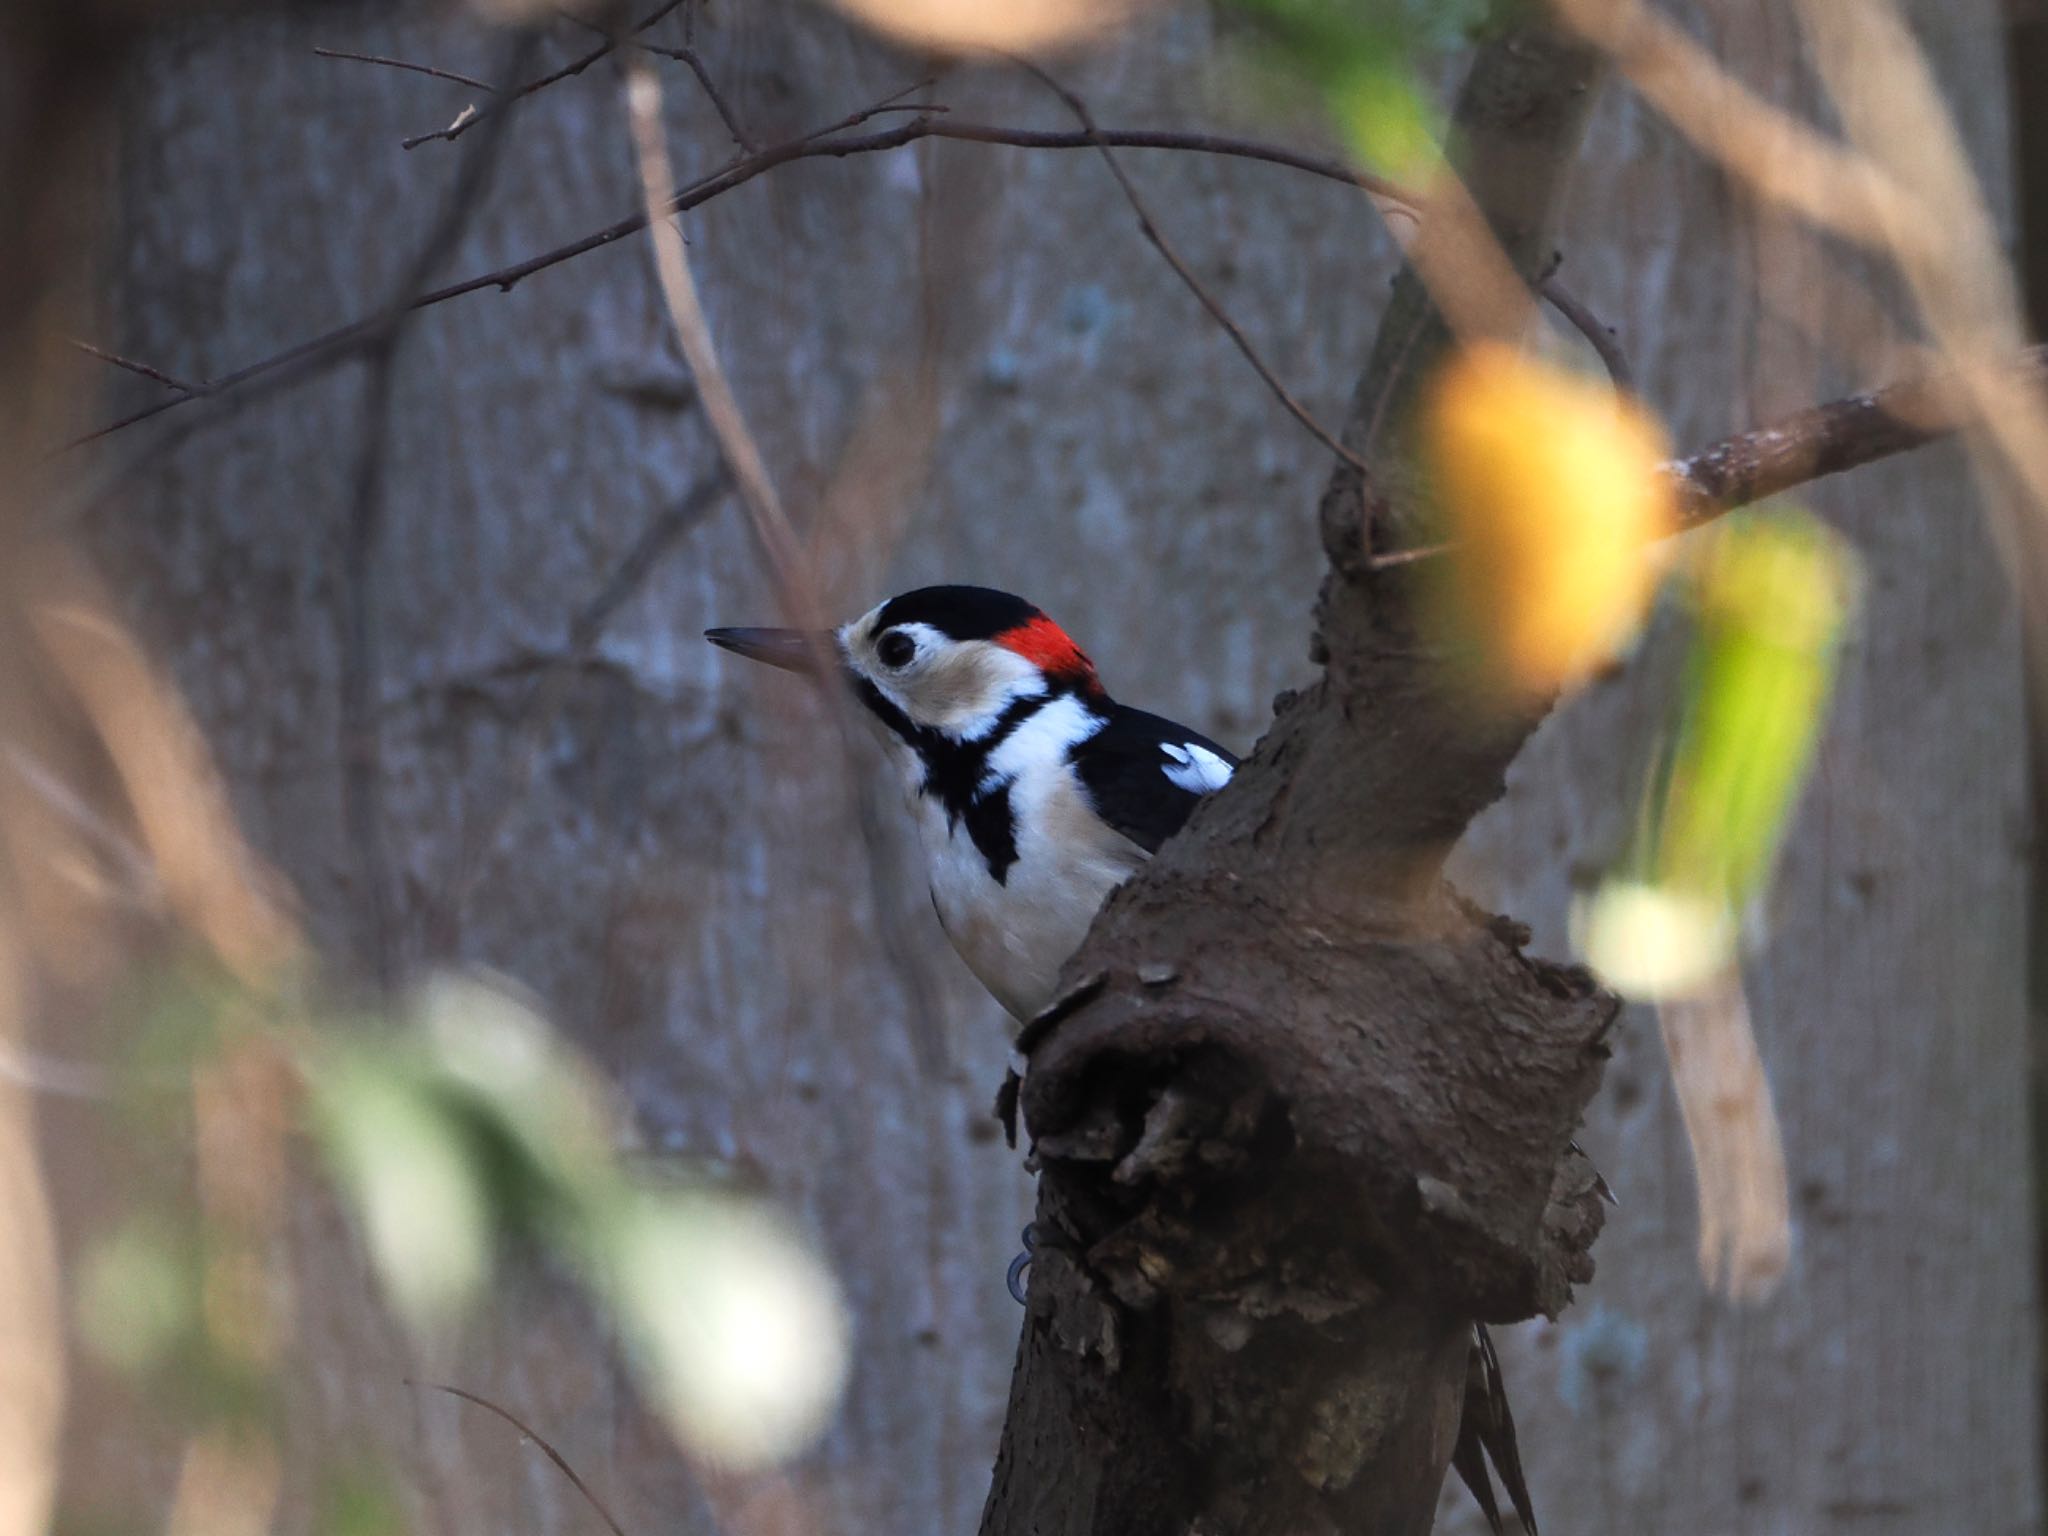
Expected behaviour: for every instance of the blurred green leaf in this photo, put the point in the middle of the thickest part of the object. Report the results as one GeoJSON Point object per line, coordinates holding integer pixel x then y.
{"type": "Point", "coordinates": [1324, 37]}
{"type": "Point", "coordinates": [141, 1310]}
{"type": "Point", "coordinates": [475, 1126]}
{"type": "Point", "coordinates": [138, 1294]}
{"type": "Point", "coordinates": [536, 1110]}
{"type": "Point", "coordinates": [359, 1501]}
{"type": "Point", "coordinates": [1365, 58]}
{"type": "Point", "coordinates": [173, 1019]}
{"type": "Point", "coordinates": [461, 1127]}
{"type": "Point", "coordinates": [1769, 595]}
{"type": "Point", "coordinates": [479, 1125]}
{"type": "Point", "coordinates": [1386, 119]}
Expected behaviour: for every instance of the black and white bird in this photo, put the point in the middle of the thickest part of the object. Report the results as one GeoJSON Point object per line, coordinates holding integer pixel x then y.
{"type": "Point", "coordinates": [1036, 794]}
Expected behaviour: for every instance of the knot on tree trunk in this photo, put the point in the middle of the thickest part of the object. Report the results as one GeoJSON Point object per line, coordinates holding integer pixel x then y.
{"type": "Point", "coordinates": [1286, 1164]}
{"type": "Point", "coordinates": [1289, 1114]}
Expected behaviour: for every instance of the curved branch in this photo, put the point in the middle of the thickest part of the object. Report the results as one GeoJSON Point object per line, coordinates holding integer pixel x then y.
{"type": "Point", "coordinates": [1192, 283]}
{"type": "Point", "coordinates": [1599, 336]}
{"type": "Point", "coordinates": [528, 1432]}
{"type": "Point", "coordinates": [432, 71]}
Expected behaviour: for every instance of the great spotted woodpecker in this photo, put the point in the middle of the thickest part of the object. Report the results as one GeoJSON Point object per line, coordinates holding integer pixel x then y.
{"type": "Point", "coordinates": [1036, 794]}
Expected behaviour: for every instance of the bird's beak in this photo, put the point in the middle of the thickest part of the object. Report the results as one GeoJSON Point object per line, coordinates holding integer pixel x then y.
{"type": "Point", "coordinates": [790, 649]}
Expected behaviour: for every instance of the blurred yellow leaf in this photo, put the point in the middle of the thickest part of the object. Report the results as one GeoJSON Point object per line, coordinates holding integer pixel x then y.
{"type": "Point", "coordinates": [978, 26]}
{"type": "Point", "coordinates": [1549, 487]}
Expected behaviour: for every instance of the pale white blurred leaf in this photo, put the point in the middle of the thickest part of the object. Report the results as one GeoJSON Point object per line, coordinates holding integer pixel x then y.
{"type": "Point", "coordinates": [741, 1331]}
{"type": "Point", "coordinates": [1651, 941]}
{"type": "Point", "coordinates": [415, 1183]}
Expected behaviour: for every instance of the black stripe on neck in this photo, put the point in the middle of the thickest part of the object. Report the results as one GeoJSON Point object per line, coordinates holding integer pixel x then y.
{"type": "Point", "coordinates": [955, 771]}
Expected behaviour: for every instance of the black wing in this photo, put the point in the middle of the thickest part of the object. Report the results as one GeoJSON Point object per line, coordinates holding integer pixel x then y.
{"type": "Point", "coordinates": [1146, 775]}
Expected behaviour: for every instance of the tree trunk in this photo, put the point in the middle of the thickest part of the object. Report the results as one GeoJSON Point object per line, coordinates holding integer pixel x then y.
{"type": "Point", "coordinates": [1305, 1118]}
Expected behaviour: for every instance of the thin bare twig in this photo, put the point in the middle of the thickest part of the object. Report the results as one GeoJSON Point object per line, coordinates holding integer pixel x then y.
{"type": "Point", "coordinates": [305, 359]}
{"type": "Point", "coordinates": [145, 370]}
{"type": "Point", "coordinates": [576, 66]}
{"type": "Point", "coordinates": [687, 54]}
{"type": "Point", "coordinates": [1159, 138]}
{"type": "Point", "coordinates": [409, 66]}
{"type": "Point", "coordinates": [1187, 276]}
{"type": "Point", "coordinates": [712, 93]}
{"type": "Point", "coordinates": [1600, 337]}
{"type": "Point", "coordinates": [529, 1432]}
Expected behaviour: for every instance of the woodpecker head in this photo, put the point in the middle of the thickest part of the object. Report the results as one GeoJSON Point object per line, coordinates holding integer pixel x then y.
{"type": "Point", "coordinates": [947, 662]}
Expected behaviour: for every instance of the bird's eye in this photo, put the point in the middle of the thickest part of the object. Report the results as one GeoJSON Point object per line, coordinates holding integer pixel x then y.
{"type": "Point", "coordinates": [895, 649]}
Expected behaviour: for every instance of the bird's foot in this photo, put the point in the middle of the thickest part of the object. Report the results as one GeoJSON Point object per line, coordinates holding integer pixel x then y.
{"type": "Point", "coordinates": [1021, 1265]}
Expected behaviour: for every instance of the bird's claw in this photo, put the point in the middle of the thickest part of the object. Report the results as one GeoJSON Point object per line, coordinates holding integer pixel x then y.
{"type": "Point", "coordinates": [1022, 1263]}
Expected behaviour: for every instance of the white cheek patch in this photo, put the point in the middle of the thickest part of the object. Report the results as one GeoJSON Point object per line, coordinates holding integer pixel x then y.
{"type": "Point", "coordinates": [1195, 768]}
{"type": "Point", "coordinates": [960, 688]}
{"type": "Point", "coordinates": [993, 699]}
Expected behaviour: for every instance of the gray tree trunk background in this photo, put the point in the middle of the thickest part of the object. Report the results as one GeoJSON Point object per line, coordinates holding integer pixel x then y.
{"type": "Point", "coordinates": [966, 362]}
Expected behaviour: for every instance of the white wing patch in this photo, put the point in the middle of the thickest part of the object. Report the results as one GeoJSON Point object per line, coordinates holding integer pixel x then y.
{"type": "Point", "coordinates": [1195, 768]}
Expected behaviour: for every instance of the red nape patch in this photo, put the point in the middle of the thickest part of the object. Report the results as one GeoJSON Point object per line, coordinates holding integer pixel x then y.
{"type": "Point", "coordinates": [1046, 646]}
